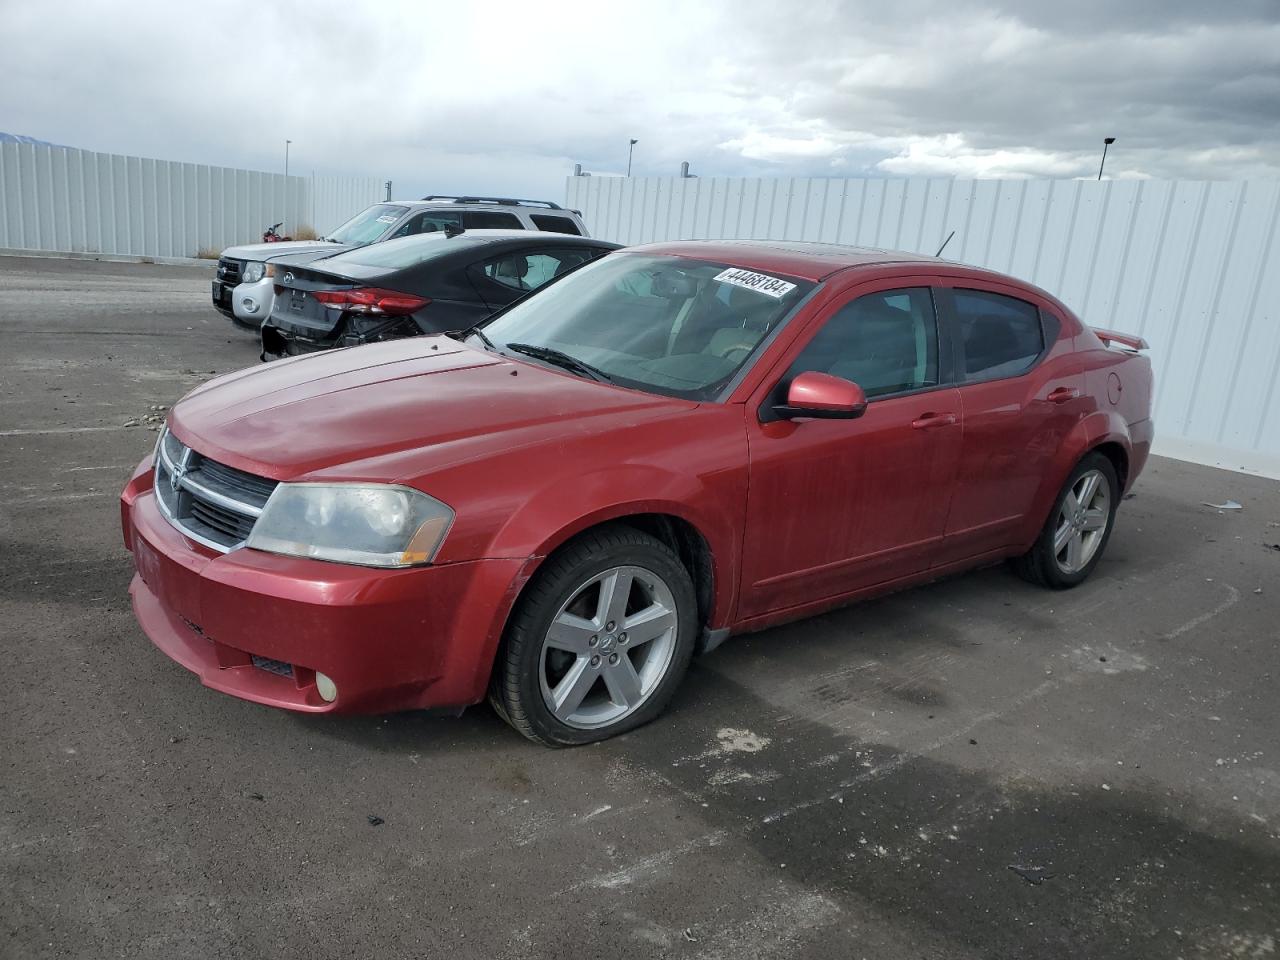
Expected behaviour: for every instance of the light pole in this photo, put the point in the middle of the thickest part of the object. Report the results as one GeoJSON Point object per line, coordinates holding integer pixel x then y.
{"type": "Point", "coordinates": [1106, 142]}
{"type": "Point", "coordinates": [630, 150]}
{"type": "Point", "coordinates": [286, 182]}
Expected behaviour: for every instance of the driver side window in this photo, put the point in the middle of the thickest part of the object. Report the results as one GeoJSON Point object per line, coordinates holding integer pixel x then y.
{"type": "Point", "coordinates": [431, 222]}
{"type": "Point", "coordinates": [885, 342]}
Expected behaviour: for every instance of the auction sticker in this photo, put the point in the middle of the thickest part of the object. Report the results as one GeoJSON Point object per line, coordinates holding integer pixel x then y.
{"type": "Point", "coordinates": [759, 282]}
{"type": "Point", "coordinates": [388, 218]}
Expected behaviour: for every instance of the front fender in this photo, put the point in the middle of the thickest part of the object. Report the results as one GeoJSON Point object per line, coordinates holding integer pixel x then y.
{"type": "Point", "coordinates": [713, 506]}
{"type": "Point", "coordinates": [1093, 430]}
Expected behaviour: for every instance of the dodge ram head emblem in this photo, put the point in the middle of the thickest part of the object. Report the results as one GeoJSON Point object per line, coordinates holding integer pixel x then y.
{"type": "Point", "coordinates": [179, 470]}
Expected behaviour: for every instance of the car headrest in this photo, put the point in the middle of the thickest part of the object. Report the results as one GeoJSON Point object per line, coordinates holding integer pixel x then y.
{"type": "Point", "coordinates": [673, 285]}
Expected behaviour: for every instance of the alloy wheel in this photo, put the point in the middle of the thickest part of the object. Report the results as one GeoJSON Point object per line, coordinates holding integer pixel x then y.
{"type": "Point", "coordinates": [1082, 522]}
{"type": "Point", "coordinates": [608, 647]}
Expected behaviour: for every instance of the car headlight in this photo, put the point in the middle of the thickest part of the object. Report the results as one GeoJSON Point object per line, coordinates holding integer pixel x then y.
{"type": "Point", "coordinates": [375, 525]}
{"type": "Point", "coordinates": [254, 271]}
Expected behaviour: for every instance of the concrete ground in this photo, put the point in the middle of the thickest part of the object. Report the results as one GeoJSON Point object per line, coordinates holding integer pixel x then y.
{"type": "Point", "coordinates": [863, 784]}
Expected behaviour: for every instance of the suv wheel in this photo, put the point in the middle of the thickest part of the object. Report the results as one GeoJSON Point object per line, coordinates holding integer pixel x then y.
{"type": "Point", "coordinates": [599, 641]}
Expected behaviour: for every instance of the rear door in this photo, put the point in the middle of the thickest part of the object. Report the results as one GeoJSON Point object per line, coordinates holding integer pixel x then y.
{"type": "Point", "coordinates": [838, 505]}
{"type": "Point", "coordinates": [1020, 389]}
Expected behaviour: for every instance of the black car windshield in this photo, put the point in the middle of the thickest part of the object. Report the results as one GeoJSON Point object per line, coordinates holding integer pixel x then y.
{"type": "Point", "coordinates": [670, 325]}
{"type": "Point", "coordinates": [368, 225]}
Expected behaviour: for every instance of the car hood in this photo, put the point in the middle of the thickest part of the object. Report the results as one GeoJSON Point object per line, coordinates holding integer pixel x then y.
{"type": "Point", "coordinates": [270, 251]}
{"type": "Point", "coordinates": [430, 398]}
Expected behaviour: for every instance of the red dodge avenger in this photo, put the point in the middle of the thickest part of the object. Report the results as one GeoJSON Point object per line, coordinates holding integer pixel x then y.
{"type": "Point", "coordinates": [675, 443]}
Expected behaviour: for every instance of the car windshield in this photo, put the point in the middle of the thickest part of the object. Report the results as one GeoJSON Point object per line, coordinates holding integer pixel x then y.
{"type": "Point", "coordinates": [670, 325]}
{"type": "Point", "coordinates": [367, 225]}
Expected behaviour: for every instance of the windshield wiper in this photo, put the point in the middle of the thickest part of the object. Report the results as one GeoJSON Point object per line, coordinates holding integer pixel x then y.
{"type": "Point", "coordinates": [561, 359]}
{"type": "Point", "coordinates": [463, 334]}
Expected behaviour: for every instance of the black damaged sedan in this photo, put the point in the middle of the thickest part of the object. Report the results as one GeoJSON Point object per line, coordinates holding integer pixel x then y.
{"type": "Point", "coordinates": [429, 283]}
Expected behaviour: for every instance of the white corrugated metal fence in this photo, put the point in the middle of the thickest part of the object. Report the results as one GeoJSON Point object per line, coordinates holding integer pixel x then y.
{"type": "Point", "coordinates": [77, 201]}
{"type": "Point", "coordinates": [1192, 266]}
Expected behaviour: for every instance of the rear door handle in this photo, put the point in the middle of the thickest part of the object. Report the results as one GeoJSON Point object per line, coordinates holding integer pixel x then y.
{"type": "Point", "coordinates": [1062, 394]}
{"type": "Point", "coordinates": [927, 421]}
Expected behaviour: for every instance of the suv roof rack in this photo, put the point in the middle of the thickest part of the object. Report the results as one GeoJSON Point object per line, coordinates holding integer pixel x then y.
{"type": "Point", "coordinates": [506, 201]}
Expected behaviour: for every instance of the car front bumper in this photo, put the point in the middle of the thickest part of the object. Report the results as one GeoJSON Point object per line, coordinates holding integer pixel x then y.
{"type": "Point", "coordinates": [259, 626]}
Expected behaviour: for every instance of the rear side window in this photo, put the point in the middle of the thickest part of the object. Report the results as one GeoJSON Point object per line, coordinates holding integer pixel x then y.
{"type": "Point", "coordinates": [490, 220]}
{"type": "Point", "coordinates": [1002, 335]}
{"type": "Point", "coordinates": [555, 224]}
{"type": "Point", "coordinates": [528, 271]}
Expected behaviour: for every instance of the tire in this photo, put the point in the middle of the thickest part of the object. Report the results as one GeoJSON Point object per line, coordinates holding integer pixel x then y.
{"type": "Point", "coordinates": [607, 677]}
{"type": "Point", "coordinates": [1051, 562]}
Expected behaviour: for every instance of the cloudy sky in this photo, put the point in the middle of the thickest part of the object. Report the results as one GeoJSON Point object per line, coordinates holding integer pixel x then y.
{"type": "Point", "coordinates": [505, 97]}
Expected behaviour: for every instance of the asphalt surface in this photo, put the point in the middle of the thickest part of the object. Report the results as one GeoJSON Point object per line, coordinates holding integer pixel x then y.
{"type": "Point", "coordinates": [862, 784]}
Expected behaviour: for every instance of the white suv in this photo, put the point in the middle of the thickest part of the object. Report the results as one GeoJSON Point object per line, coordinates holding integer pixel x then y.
{"type": "Point", "coordinates": [244, 289]}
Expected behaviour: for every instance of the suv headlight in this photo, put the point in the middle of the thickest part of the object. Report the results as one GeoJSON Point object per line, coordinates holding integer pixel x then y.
{"type": "Point", "coordinates": [374, 525]}
{"type": "Point", "coordinates": [254, 271]}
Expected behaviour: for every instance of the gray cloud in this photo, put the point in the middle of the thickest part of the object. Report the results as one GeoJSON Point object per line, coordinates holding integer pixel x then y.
{"type": "Point", "coordinates": [505, 97]}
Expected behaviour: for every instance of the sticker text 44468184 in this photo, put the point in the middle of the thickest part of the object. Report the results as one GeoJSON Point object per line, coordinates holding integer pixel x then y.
{"type": "Point", "coordinates": [759, 282]}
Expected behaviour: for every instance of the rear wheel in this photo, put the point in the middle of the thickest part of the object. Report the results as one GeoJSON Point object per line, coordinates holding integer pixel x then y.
{"type": "Point", "coordinates": [599, 641]}
{"type": "Point", "coordinates": [1078, 528]}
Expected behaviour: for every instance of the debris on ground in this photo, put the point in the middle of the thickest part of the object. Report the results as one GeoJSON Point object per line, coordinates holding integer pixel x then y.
{"type": "Point", "coordinates": [1033, 875]}
{"type": "Point", "coordinates": [375, 821]}
{"type": "Point", "coordinates": [688, 935]}
{"type": "Point", "coordinates": [256, 796]}
{"type": "Point", "coordinates": [1227, 505]}
{"type": "Point", "coordinates": [1273, 546]}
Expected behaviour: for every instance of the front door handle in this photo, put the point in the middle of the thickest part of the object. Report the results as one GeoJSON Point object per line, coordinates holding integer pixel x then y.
{"type": "Point", "coordinates": [1062, 395]}
{"type": "Point", "coordinates": [927, 421]}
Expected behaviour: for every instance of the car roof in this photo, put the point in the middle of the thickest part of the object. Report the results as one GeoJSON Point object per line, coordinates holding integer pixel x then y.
{"type": "Point", "coordinates": [796, 258]}
{"type": "Point", "coordinates": [546, 237]}
{"type": "Point", "coordinates": [456, 243]}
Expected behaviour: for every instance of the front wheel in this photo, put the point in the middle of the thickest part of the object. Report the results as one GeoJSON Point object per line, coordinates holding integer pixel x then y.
{"type": "Point", "coordinates": [599, 641]}
{"type": "Point", "coordinates": [1078, 528]}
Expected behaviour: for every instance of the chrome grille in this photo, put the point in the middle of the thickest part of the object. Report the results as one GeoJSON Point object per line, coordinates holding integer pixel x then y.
{"type": "Point", "coordinates": [209, 502]}
{"type": "Point", "coordinates": [229, 270]}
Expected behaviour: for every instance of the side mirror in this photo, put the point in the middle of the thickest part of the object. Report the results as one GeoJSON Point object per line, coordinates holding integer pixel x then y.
{"type": "Point", "coordinates": [822, 396]}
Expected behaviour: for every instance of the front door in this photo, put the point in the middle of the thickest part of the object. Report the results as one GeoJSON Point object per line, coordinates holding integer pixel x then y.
{"type": "Point", "coordinates": [837, 505]}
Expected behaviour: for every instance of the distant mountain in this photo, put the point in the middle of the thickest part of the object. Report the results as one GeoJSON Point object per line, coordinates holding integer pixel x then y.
{"type": "Point", "coordinates": [18, 138]}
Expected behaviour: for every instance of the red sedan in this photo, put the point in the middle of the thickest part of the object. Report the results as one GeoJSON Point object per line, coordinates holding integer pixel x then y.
{"type": "Point", "coordinates": [673, 444]}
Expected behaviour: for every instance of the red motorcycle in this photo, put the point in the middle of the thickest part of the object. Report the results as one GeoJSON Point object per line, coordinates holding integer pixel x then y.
{"type": "Point", "coordinates": [269, 235]}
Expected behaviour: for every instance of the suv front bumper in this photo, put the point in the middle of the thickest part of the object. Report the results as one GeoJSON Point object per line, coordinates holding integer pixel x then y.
{"type": "Point", "coordinates": [251, 302]}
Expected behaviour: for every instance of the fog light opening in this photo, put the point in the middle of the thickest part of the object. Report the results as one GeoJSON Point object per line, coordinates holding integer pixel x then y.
{"type": "Point", "coordinates": [327, 689]}
{"type": "Point", "coordinates": [249, 305]}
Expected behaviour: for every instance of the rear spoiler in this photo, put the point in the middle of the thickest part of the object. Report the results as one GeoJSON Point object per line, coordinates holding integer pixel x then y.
{"type": "Point", "coordinates": [1128, 340]}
